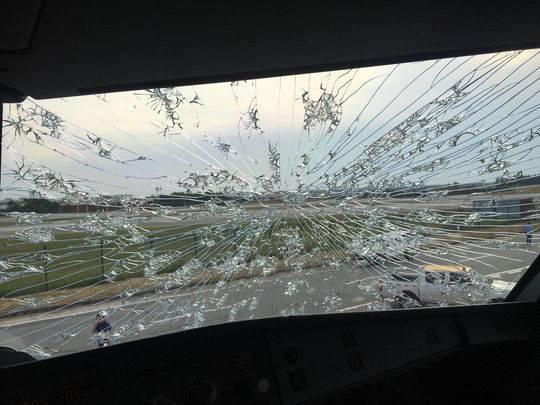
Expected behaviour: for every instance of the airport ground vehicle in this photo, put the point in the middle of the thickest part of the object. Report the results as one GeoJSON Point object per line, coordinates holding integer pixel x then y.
{"type": "Point", "coordinates": [451, 284]}
{"type": "Point", "coordinates": [103, 339]}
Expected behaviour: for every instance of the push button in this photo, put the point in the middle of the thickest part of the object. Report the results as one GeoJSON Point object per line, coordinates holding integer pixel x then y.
{"type": "Point", "coordinates": [355, 361]}
{"type": "Point", "coordinates": [298, 380]}
{"type": "Point", "coordinates": [432, 337]}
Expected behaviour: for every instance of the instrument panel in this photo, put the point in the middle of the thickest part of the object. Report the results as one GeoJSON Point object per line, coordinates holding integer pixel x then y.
{"type": "Point", "coordinates": [279, 360]}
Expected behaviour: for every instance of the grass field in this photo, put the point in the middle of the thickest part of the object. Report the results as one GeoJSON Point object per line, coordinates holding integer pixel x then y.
{"type": "Point", "coordinates": [73, 259]}
{"type": "Point", "coordinates": [78, 259]}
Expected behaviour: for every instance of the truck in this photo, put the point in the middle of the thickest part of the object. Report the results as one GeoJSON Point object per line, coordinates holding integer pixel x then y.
{"type": "Point", "coordinates": [434, 284]}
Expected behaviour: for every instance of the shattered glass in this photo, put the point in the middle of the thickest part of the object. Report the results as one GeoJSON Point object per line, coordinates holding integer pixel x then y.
{"type": "Point", "coordinates": [398, 186]}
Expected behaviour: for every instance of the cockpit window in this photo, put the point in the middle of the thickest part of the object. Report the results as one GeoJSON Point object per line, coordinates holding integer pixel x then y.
{"type": "Point", "coordinates": [459, 278]}
{"type": "Point", "coordinates": [133, 214]}
{"type": "Point", "coordinates": [433, 277]}
{"type": "Point", "coordinates": [405, 277]}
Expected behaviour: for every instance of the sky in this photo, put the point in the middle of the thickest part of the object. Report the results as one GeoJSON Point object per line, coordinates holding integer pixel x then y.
{"type": "Point", "coordinates": [116, 144]}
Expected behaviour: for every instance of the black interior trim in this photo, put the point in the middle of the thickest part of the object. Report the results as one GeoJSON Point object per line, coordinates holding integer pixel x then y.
{"type": "Point", "coordinates": [219, 78]}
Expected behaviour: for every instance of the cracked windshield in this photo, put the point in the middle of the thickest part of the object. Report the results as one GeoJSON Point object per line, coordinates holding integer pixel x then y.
{"type": "Point", "coordinates": [132, 214]}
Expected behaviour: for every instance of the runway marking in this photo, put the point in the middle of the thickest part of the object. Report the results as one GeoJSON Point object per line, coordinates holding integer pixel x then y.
{"type": "Point", "coordinates": [512, 271]}
{"type": "Point", "coordinates": [353, 307]}
{"type": "Point", "coordinates": [116, 304]}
